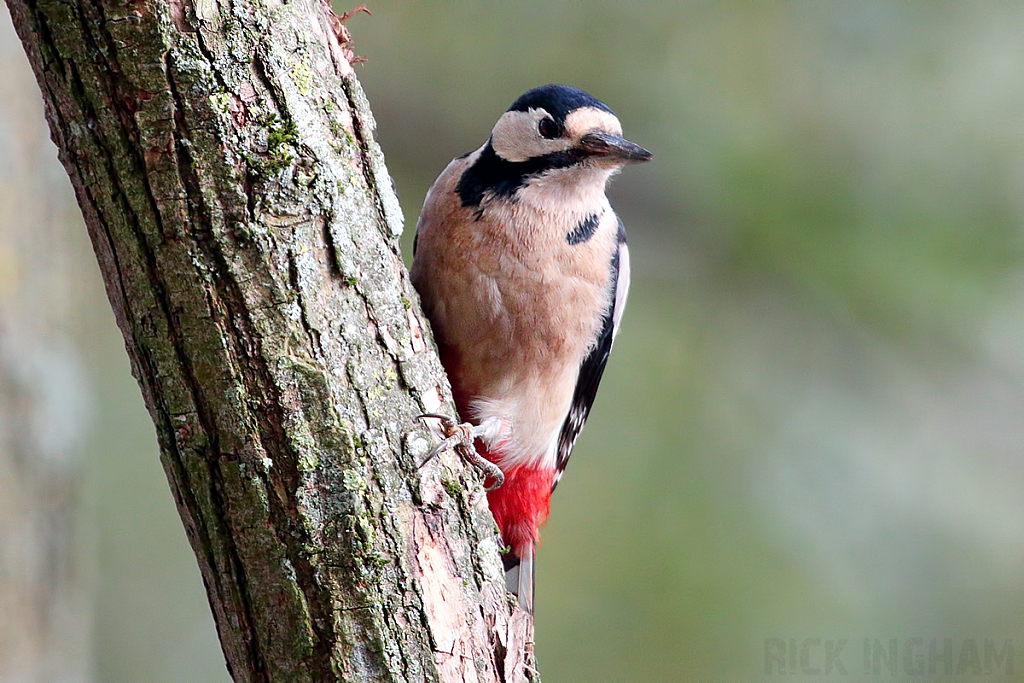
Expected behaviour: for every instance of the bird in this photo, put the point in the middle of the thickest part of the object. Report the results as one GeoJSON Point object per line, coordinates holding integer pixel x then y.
{"type": "Point", "coordinates": [522, 269]}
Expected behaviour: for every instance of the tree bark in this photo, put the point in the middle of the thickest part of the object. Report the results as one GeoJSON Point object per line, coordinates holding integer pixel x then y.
{"type": "Point", "coordinates": [222, 154]}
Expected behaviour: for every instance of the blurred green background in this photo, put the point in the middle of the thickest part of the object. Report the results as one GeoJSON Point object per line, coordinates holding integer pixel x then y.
{"type": "Point", "coordinates": [811, 426]}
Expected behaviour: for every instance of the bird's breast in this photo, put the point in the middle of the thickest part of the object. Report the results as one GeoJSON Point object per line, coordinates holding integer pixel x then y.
{"type": "Point", "coordinates": [516, 302]}
{"type": "Point", "coordinates": [521, 310]}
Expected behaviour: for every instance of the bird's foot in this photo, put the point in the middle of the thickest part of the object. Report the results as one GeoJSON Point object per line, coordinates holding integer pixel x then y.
{"type": "Point", "coordinates": [461, 437]}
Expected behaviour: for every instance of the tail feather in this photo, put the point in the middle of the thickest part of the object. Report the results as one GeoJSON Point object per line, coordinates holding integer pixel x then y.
{"type": "Point", "coordinates": [520, 577]}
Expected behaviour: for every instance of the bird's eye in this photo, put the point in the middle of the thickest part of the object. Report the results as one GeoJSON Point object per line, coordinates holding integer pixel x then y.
{"type": "Point", "coordinates": [548, 129]}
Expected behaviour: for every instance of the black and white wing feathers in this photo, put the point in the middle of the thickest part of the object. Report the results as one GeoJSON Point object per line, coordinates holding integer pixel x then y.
{"type": "Point", "coordinates": [592, 367]}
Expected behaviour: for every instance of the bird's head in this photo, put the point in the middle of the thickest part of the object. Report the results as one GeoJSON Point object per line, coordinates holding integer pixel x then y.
{"type": "Point", "coordinates": [566, 126]}
{"type": "Point", "coordinates": [555, 140]}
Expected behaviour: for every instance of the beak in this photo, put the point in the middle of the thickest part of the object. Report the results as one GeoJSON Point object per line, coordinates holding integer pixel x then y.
{"type": "Point", "coordinates": [598, 143]}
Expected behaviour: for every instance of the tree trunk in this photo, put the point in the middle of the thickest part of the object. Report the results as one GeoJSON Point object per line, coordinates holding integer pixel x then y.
{"type": "Point", "coordinates": [246, 229]}
{"type": "Point", "coordinates": [45, 599]}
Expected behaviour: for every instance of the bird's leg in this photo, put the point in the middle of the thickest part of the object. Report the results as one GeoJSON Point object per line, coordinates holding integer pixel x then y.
{"type": "Point", "coordinates": [461, 437]}
{"type": "Point", "coordinates": [469, 454]}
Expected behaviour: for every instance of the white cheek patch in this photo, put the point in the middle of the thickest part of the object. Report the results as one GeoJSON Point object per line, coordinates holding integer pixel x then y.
{"type": "Point", "coordinates": [515, 136]}
{"type": "Point", "coordinates": [578, 123]}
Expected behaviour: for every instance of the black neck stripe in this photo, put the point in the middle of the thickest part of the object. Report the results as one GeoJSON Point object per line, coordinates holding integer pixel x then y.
{"type": "Point", "coordinates": [504, 178]}
{"type": "Point", "coordinates": [584, 230]}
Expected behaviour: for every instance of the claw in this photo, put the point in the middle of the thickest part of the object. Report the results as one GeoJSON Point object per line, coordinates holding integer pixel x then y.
{"type": "Point", "coordinates": [461, 437]}
{"type": "Point", "coordinates": [468, 452]}
{"type": "Point", "coordinates": [437, 416]}
{"type": "Point", "coordinates": [445, 444]}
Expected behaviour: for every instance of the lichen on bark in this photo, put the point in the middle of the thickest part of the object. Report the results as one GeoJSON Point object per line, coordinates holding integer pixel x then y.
{"type": "Point", "coordinates": [223, 157]}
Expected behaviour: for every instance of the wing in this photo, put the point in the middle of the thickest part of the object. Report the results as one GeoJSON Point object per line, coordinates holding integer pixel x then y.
{"type": "Point", "coordinates": [593, 365]}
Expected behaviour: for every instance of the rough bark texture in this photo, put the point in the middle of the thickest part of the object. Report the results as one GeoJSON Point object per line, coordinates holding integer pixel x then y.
{"type": "Point", "coordinates": [45, 614]}
{"type": "Point", "coordinates": [245, 226]}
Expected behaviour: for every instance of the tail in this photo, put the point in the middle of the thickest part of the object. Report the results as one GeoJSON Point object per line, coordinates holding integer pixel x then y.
{"type": "Point", "coordinates": [520, 578]}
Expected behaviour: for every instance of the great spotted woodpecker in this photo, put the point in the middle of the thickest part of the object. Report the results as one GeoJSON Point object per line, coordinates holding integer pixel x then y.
{"type": "Point", "coordinates": [522, 268]}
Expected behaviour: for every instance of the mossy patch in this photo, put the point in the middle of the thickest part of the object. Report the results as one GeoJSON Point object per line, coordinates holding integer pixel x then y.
{"type": "Point", "coordinates": [452, 487]}
{"type": "Point", "coordinates": [308, 461]}
{"type": "Point", "coordinates": [282, 138]}
{"type": "Point", "coordinates": [302, 76]}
